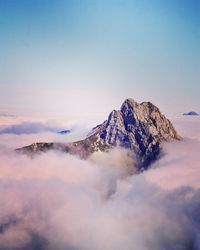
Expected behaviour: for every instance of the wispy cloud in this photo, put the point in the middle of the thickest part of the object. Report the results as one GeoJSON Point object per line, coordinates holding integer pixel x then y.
{"type": "Point", "coordinates": [29, 128]}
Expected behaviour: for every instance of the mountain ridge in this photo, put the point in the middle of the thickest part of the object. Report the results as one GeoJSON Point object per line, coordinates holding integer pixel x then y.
{"type": "Point", "coordinates": [139, 127]}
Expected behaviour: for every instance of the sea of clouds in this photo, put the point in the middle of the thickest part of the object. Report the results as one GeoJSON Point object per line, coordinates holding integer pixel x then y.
{"type": "Point", "coordinates": [57, 201]}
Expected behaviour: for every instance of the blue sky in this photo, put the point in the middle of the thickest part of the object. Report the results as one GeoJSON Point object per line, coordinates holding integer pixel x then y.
{"type": "Point", "coordinates": [85, 57]}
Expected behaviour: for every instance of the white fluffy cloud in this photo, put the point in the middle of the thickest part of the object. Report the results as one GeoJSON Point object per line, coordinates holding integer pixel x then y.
{"type": "Point", "coordinates": [58, 201]}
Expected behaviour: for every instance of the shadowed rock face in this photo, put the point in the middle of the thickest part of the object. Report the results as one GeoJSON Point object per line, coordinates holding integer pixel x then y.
{"type": "Point", "coordinates": [138, 127]}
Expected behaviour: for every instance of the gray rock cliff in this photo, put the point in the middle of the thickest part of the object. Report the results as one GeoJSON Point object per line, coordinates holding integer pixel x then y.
{"type": "Point", "coordinates": [138, 127]}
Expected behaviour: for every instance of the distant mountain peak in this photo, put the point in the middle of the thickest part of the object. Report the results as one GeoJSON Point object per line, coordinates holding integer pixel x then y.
{"type": "Point", "coordinates": [139, 127]}
{"type": "Point", "coordinates": [64, 132]}
{"type": "Point", "coordinates": [191, 113]}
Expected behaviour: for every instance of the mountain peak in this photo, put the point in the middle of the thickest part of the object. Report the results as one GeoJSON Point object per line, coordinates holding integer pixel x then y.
{"type": "Point", "coordinates": [129, 103]}
{"type": "Point", "coordinates": [140, 128]}
{"type": "Point", "coordinates": [191, 113]}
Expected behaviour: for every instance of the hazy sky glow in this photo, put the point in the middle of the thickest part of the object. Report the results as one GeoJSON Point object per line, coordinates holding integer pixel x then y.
{"type": "Point", "coordinates": [58, 57]}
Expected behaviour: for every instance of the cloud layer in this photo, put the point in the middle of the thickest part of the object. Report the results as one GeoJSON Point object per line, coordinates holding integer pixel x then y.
{"type": "Point", "coordinates": [29, 128]}
{"type": "Point", "coordinates": [58, 201]}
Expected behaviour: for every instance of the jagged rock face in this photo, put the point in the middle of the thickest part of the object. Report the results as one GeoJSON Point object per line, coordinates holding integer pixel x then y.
{"type": "Point", "coordinates": [138, 127]}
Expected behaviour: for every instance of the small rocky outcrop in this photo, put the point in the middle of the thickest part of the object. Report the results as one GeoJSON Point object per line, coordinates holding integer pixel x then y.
{"type": "Point", "coordinates": [64, 132]}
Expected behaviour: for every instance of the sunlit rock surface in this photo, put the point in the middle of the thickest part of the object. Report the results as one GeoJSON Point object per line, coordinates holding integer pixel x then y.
{"type": "Point", "coordinates": [138, 127]}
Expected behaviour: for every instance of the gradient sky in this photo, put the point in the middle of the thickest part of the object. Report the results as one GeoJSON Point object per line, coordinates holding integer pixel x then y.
{"type": "Point", "coordinates": [84, 57]}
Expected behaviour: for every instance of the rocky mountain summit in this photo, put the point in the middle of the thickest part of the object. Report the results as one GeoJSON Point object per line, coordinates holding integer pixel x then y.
{"type": "Point", "coordinates": [141, 128]}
